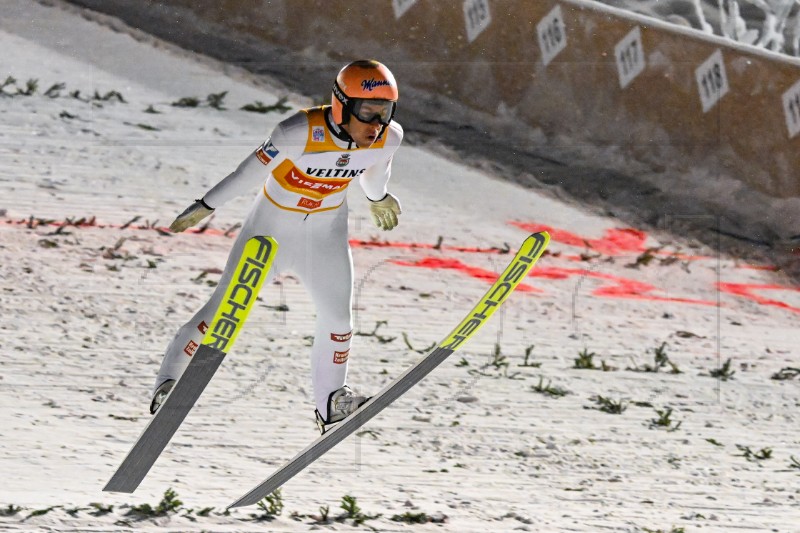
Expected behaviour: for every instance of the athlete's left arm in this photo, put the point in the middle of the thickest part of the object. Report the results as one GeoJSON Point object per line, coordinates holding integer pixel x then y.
{"type": "Point", "coordinates": [384, 206]}
{"type": "Point", "coordinates": [374, 181]}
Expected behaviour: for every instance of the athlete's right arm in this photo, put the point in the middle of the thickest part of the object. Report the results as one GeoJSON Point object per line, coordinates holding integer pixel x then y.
{"type": "Point", "coordinates": [249, 174]}
{"type": "Point", "coordinates": [253, 171]}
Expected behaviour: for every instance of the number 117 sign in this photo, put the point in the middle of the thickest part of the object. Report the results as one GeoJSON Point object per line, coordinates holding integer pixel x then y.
{"type": "Point", "coordinates": [629, 54]}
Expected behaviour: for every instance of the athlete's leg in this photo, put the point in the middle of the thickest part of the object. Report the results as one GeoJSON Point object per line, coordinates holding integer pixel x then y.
{"type": "Point", "coordinates": [186, 341]}
{"type": "Point", "coordinates": [327, 274]}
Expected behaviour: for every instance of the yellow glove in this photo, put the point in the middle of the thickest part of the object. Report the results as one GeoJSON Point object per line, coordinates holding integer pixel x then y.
{"type": "Point", "coordinates": [191, 216]}
{"type": "Point", "coordinates": [385, 211]}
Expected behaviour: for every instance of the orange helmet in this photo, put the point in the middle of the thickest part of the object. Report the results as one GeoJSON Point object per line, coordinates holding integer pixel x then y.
{"type": "Point", "coordinates": [364, 89]}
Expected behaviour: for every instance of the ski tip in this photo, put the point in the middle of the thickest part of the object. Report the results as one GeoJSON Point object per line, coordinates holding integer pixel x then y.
{"type": "Point", "coordinates": [538, 242]}
{"type": "Point", "coordinates": [541, 235]}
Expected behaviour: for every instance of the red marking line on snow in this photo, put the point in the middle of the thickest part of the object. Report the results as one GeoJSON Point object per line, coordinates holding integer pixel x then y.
{"type": "Point", "coordinates": [747, 290]}
{"type": "Point", "coordinates": [356, 243]}
{"type": "Point", "coordinates": [33, 223]}
{"type": "Point", "coordinates": [438, 263]}
{"type": "Point", "coordinates": [771, 268]}
{"type": "Point", "coordinates": [618, 288]}
{"type": "Point", "coordinates": [615, 242]}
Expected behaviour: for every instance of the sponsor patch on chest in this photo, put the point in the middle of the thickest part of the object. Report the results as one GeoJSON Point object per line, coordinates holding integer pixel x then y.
{"type": "Point", "coordinates": [309, 185]}
{"type": "Point", "coordinates": [348, 173]}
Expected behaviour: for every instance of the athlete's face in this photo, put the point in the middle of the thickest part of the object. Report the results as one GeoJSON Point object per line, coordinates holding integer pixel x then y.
{"type": "Point", "coordinates": [364, 133]}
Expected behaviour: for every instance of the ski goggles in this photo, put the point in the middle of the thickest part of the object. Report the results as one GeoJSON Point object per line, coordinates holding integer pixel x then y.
{"type": "Point", "coordinates": [369, 110]}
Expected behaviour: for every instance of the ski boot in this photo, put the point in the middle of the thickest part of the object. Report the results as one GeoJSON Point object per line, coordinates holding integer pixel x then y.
{"type": "Point", "coordinates": [341, 404]}
{"type": "Point", "coordinates": [160, 395]}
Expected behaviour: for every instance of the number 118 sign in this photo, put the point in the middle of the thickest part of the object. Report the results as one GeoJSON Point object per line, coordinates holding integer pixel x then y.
{"type": "Point", "coordinates": [477, 17]}
{"type": "Point", "coordinates": [712, 82]}
{"type": "Point", "coordinates": [791, 108]}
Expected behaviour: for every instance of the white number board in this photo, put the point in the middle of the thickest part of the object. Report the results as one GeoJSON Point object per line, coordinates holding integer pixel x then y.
{"type": "Point", "coordinates": [629, 53]}
{"type": "Point", "coordinates": [712, 82]}
{"type": "Point", "coordinates": [552, 34]}
{"type": "Point", "coordinates": [401, 6]}
{"type": "Point", "coordinates": [477, 17]}
{"type": "Point", "coordinates": [791, 106]}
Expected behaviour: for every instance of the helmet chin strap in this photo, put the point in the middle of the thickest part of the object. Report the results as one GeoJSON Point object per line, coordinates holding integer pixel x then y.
{"type": "Point", "coordinates": [345, 136]}
{"type": "Point", "coordinates": [337, 129]}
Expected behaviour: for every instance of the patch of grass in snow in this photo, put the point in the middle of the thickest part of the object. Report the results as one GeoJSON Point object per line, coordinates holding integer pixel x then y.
{"type": "Point", "coordinates": [41, 512]}
{"type": "Point", "coordinates": [10, 84]}
{"type": "Point", "coordinates": [585, 361]}
{"type": "Point", "coordinates": [762, 455]}
{"type": "Point", "coordinates": [10, 510]}
{"type": "Point", "coordinates": [100, 509]}
{"type": "Point", "coordinates": [418, 350]}
{"type": "Point", "coordinates": [353, 512]}
{"type": "Point", "coordinates": [381, 339]}
{"type": "Point", "coordinates": [169, 504]}
{"type": "Point", "coordinates": [528, 352]}
{"type": "Point", "coordinates": [664, 420]}
{"type": "Point", "coordinates": [548, 389]}
{"type": "Point", "coordinates": [723, 373]}
{"type": "Point", "coordinates": [661, 360]}
{"type": "Point", "coordinates": [271, 506]}
{"type": "Point", "coordinates": [608, 405]}
{"type": "Point", "coordinates": [259, 107]}
{"type": "Point", "coordinates": [786, 373]}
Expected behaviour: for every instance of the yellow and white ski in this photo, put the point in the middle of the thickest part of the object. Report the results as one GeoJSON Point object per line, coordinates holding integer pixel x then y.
{"type": "Point", "coordinates": [530, 251]}
{"type": "Point", "coordinates": [240, 295]}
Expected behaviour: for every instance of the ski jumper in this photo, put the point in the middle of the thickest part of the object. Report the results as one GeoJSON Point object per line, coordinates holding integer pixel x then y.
{"type": "Point", "coordinates": [305, 168]}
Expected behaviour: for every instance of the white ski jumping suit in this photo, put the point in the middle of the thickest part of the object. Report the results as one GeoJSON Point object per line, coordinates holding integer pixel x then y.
{"type": "Point", "coordinates": [305, 167]}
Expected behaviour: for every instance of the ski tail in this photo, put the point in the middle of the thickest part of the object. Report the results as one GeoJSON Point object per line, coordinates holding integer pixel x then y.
{"type": "Point", "coordinates": [530, 251]}
{"type": "Point", "coordinates": [240, 296]}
